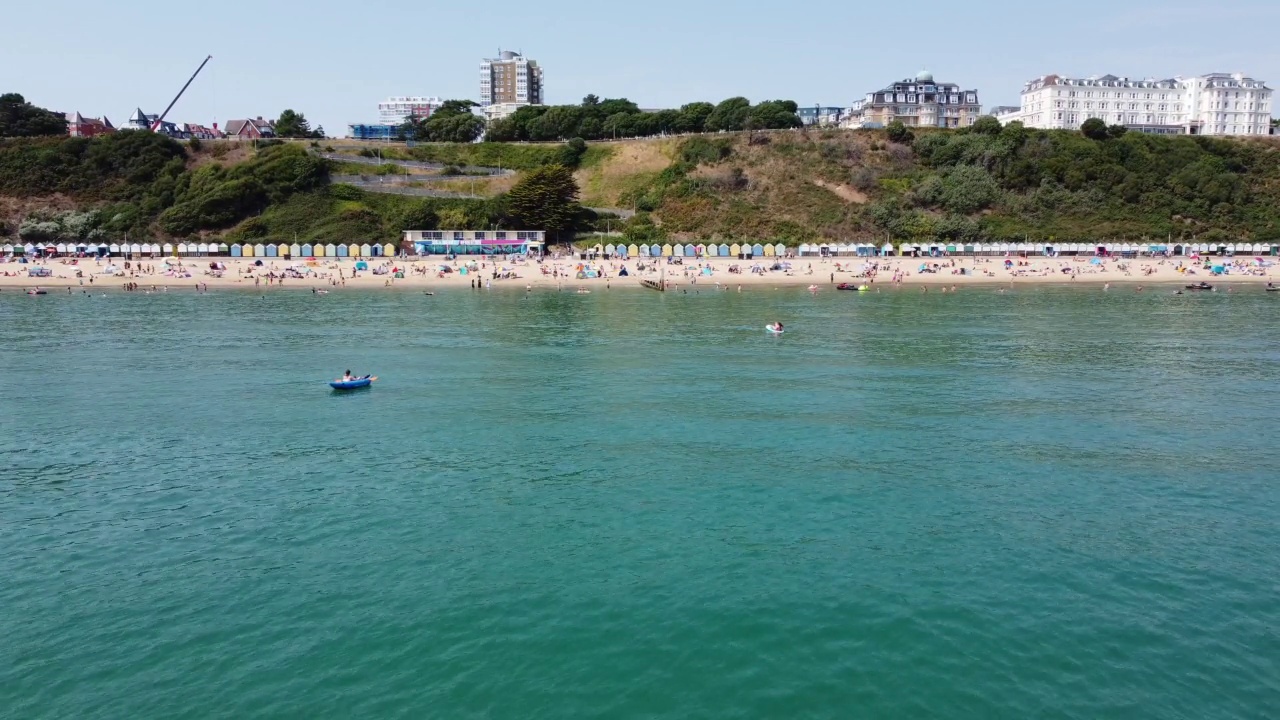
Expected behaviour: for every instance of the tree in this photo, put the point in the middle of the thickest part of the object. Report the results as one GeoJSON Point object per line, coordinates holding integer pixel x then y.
{"type": "Point", "coordinates": [19, 118]}
{"type": "Point", "coordinates": [545, 199]}
{"type": "Point", "coordinates": [292, 124]}
{"type": "Point", "coordinates": [1116, 131]}
{"type": "Point", "coordinates": [452, 122]}
{"type": "Point", "coordinates": [899, 133]}
{"type": "Point", "coordinates": [693, 117]}
{"type": "Point", "coordinates": [987, 125]}
{"type": "Point", "coordinates": [730, 114]}
{"type": "Point", "coordinates": [774, 115]}
{"type": "Point", "coordinates": [1094, 129]}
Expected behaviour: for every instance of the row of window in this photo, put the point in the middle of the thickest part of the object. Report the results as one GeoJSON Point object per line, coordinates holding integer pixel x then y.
{"type": "Point", "coordinates": [482, 235]}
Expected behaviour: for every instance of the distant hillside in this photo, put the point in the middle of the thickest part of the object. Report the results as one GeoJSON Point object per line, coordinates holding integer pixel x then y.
{"type": "Point", "coordinates": [789, 186]}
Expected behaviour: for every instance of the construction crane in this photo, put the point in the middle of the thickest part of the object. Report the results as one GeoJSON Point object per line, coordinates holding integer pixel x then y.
{"type": "Point", "coordinates": [156, 125]}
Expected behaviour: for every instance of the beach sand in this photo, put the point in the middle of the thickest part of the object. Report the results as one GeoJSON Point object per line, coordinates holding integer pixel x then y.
{"type": "Point", "coordinates": [335, 274]}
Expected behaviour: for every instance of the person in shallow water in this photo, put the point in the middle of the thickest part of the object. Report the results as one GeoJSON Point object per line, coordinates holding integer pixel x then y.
{"type": "Point", "coordinates": [776, 327]}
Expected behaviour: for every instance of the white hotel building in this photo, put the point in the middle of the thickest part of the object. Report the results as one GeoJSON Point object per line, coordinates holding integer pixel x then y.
{"type": "Point", "coordinates": [1214, 104]}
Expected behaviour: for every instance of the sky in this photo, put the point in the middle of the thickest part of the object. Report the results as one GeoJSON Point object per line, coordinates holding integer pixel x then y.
{"type": "Point", "coordinates": [335, 61]}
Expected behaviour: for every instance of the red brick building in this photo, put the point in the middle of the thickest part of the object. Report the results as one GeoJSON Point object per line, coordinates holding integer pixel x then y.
{"type": "Point", "coordinates": [81, 126]}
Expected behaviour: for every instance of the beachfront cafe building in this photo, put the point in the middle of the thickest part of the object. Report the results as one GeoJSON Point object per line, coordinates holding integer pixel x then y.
{"type": "Point", "coordinates": [476, 242]}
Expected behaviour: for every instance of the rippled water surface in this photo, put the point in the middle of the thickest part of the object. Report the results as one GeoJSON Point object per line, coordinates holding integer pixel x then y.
{"type": "Point", "coordinates": [1055, 503]}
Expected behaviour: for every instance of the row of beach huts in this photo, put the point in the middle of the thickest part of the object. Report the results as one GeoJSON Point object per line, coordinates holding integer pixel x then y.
{"type": "Point", "coordinates": [260, 250]}
{"type": "Point", "coordinates": [725, 250]}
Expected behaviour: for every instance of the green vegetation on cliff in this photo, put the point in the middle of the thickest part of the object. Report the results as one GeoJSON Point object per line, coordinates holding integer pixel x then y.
{"type": "Point", "coordinates": [988, 182]}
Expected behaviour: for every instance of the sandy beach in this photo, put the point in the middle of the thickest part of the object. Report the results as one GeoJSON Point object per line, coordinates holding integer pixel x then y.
{"type": "Point", "coordinates": [563, 273]}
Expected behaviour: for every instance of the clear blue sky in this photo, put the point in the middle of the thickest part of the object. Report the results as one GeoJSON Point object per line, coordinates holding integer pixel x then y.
{"type": "Point", "coordinates": [334, 61]}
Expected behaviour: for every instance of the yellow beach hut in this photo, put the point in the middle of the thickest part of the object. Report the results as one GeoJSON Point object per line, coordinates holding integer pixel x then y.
{"type": "Point", "coordinates": [246, 251]}
{"type": "Point", "coordinates": [768, 250]}
{"type": "Point", "coordinates": [353, 250]}
{"type": "Point", "coordinates": [317, 250]}
{"type": "Point", "coordinates": [389, 250]}
{"type": "Point", "coordinates": [633, 250]}
{"type": "Point", "coordinates": [667, 250]}
{"type": "Point", "coordinates": [735, 250]}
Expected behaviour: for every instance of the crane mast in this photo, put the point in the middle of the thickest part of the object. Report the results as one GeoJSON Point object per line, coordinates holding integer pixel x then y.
{"type": "Point", "coordinates": [156, 125]}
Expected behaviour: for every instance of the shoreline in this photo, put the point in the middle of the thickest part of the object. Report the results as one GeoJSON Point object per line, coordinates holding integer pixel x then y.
{"type": "Point", "coordinates": [426, 274]}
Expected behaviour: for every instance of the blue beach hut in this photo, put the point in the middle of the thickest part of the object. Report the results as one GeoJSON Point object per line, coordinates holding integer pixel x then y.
{"type": "Point", "coordinates": [306, 250]}
{"type": "Point", "coordinates": [342, 251]}
{"type": "Point", "coordinates": [724, 251]}
{"type": "Point", "coordinates": [271, 251]}
{"type": "Point", "coordinates": [235, 250]}
{"type": "Point", "coordinates": [655, 250]}
{"type": "Point", "coordinates": [757, 250]}
{"type": "Point", "coordinates": [690, 250]}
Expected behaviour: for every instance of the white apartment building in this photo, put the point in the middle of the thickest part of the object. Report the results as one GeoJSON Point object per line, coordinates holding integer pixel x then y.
{"type": "Point", "coordinates": [1213, 104]}
{"type": "Point", "coordinates": [500, 111]}
{"type": "Point", "coordinates": [396, 110]}
{"type": "Point", "coordinates": [510, 78]}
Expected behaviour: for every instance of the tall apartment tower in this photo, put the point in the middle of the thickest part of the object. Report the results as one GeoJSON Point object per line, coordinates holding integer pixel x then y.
{"type": "Point", "coordinates": [510, 78]}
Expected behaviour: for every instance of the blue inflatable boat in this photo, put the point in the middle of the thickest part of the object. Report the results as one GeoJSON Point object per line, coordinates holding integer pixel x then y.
{"type": "Point", "coordinates": [354, 384]}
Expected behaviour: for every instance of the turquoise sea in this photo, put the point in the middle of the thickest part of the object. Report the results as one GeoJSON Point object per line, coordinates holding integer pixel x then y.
{"type": "Point", "coordinates": [1051, 503]}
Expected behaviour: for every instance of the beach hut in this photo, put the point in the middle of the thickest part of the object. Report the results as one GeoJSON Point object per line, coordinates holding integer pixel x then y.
{"type": "Point", "coordinates": [757, 250]}
{"type": "Point", "coordinates": [272, 251]}
{"type": "Point", "coordinates": [7, 248]}
{"type": "Point", "coordinates": [365, 250]}
{"type": "Point", "coordinates": [735, 250]}
{"type": "Point", "coordinates": [677, 250]}
{"type": "Point", "coordinates": [713, 250]}
{"type": "Point", "coordinates": [666, 250]}
{"type": "Point", "coordinates": [295, 250]}
{"type": "Point", "coordinates": [655, 250]}
{"type": "Point", "coordinates": [610, 250]}
{"type": "Point", "coordinates": [306, 250]}
{"type": "Point", "coordinates": [633, 250]}
{"type": "Point", "coordinates": [389, 250]}
{"type": "Point", "coordinates": [353, 250]}
{"type": "Point", "coordinates": [317, 250]}
{"type": "Point", "coordinates": [768, 250]}
{"type": "Point", "coordinates": [690, 250]}
{"type": "Point", "coordinates": [235, 250]}
{"type": "Point", "coordinates": [341, 251]}
{"type": "Point", "coordinates": [205, 248]}
{"type": "Point", "coordinates": [644, 251]}
{"type": "Point", "coordinates": [804, 249]}
{"type": "Point", "coordinates": [246, 250]}
{"type": "Point", "coordinates": [331, 250]}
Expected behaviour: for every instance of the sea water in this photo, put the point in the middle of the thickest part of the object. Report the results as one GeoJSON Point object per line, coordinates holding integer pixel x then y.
{"type": "Point", "coordinates": [1050, 503]}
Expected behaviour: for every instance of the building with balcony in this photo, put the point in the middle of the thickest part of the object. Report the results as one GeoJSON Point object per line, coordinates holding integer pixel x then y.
{"type": "Point", "coordinates": [474, 242]}
{"type": "Point", "coordinates": [820, 115]}
{"type": "Point", "coordinates": [916, 102]}
{"type": "Point", "coordinates": [1213, 104]}
{"type": "Point", "coordinates": [510, 78]}
{"type": "Point", "coordinates": [396, 110]}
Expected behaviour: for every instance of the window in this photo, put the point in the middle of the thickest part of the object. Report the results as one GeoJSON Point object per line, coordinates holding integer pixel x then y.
{"type": "Point", "coordinates": [432, 235]}
{"type": "Point", "coordinates": [458, 235]}
{"type": "Point", "coordinates": [502, 235]}
{"type": "Point", "coordinates": [480, 235]}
